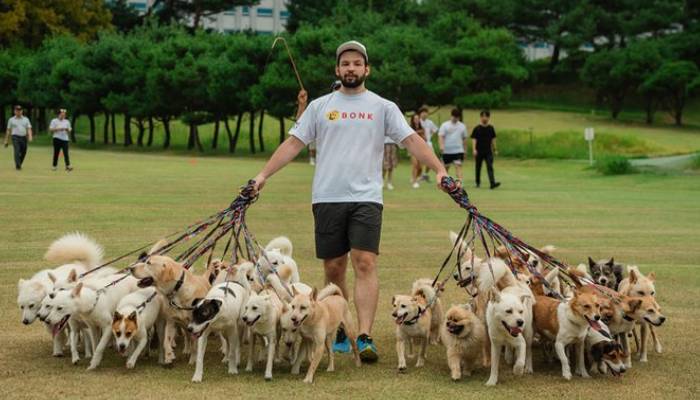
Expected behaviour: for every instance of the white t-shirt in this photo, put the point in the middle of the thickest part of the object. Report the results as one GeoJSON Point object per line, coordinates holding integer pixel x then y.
{"type": "Point", "coordinates": [349, 131]}
{"type": "Point", "coordinates": [64, 125]}
{"type": "Point", "coordinates": [19, 126]}
{"type": "Point", "coordinates": [454, 135]}
{"type": "Point", "coordinates": [429, 129]}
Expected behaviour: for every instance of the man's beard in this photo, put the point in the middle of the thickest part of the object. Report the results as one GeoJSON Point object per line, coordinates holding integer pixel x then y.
{"type": "Point", "coordinates": [355, 82]}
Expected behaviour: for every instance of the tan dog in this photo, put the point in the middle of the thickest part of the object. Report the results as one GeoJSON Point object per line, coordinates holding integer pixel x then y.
{"type": "Point", "coordinates": [317, 317]}
{"type": "Point", "coordinates": [629, 311]}
{"type": "Point", "coordinates": [463, 335]}
{"type": "Point", "coordinates": [636, 284]}
{"type": "Point", "coordinates": [180, 288]}
{"type": "Point", "coordinates": [415, 321]}
{"type": "Point", "coordinates": [567, 323]}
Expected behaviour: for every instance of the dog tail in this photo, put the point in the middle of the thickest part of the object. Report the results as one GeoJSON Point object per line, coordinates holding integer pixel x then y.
{"type": "Point", "coordinates": [74, 247]}
{"type": "Point", "coordinates": [282, 243]}
{"type": "Point", "coordinates": [424, 287]}
{"type": "Point", "coordinates": [489, 276]}
{"type": "Point", "coordinates": [548, 249]}
{"type": "Point", "coordinates": [330, 290]}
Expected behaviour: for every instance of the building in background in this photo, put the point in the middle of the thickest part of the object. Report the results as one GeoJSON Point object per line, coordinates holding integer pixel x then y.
{"type": "Point", "coordinates": [268, 17]}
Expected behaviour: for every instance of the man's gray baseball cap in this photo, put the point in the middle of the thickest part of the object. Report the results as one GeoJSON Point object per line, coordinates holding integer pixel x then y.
{"type": "Point", "coordinates": [353, 45]}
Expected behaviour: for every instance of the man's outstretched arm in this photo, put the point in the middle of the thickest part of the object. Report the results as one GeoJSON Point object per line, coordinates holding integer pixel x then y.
{"type": "Point", "coordinates": [281, 157]}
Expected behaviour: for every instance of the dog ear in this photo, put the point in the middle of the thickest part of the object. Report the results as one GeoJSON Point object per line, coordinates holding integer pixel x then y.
{"type": "Point", "coordinates": [116, 317]}
{"type": "Point", "coordinates": [72, 276]}
{"type": "Point", "coordinates": [217, 304]}
{"type": "Point", "coordinates": [295, 292]}
{"type": "Point", "coordinates": [132, 316]}
{"type": "Point", "coordinates": [652, 276]}
{"type": "Point", "coordinates": [77, 289]}
{"type": "Point", "coordinates": [633, 276]}
{"type": "Point", "coordinates": [420, 310]}
{"type": "Point", "coordinates": [591, 263]}
{"type": "Point", "coordinates": [143, 256]}
{"type": "Point", "coordinates": [597, 353]}
{"type": "Point", "coordinates": [195, 301]}
{"type": "Point", "coordinates": [314, 293]}
{"type": "Point", "coordinates": [52, 278]}
{"type": "Point", "coordinates": [393, 301]}
{"type": "Point", "coordinates": [160, 244]}
{"type": "Point", "coordinates": [20, 283]}
{"type": "Point", "coordinates": [285, 307]}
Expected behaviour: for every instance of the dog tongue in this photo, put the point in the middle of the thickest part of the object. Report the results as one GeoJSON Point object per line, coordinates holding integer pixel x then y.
{"type": "Point", "coordinates": [515, 331]}
{"type": "Point", "coordinates": [594, 324]}
{"type": "Point", "coordinates": [54, 329]}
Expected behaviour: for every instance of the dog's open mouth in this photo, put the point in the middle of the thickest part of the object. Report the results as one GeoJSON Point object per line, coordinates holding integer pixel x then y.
{"type": "Point", "coordinates": [455, 329]}
{"type": "Point", "coordinates": [298, 323]}
{"type": "Point", "coordinates": [57, 328]}
{"type": "Point", "coordinates": [655, 323]}
{"type": "Point", "coordinates": [513, 330]}
{"type": "Point", "coordinates": [145, 282]}
{"type": "Point", "coordinates": [616, 372]}
{"type": "Point", "coordinates": [196, 334]}
{"type": "Point", "coordinates": [253, 321]}
{"type": "Point", "coordinates": [400, 319]}
{"type": "Point", "coordinates": [593, 323]}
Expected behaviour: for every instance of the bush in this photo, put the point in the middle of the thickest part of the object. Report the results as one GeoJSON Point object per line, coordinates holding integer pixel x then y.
{"type": "Point", "coordinates": [568, 145]}
{"type": "Point", "coordinates": [614, 165]}
{"type": "Point", "coordinates": [696, 162]}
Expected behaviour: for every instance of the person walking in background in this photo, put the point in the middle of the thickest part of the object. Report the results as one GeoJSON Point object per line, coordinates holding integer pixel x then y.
{"type": "Point", "coordinates": [452, 136]}
{"type": "Point", "coordinates": [416, 167]}
{"type": "Point", "coordinates": [484, 147]}
{"type": "Point", "coordinates": [429, 128]}
{"type": "Point", "coordinates": [391, 160]}
{"type": "Point", "coordinates": [21, 130]}
{"type": "Point", "coordinates": [60, 128]}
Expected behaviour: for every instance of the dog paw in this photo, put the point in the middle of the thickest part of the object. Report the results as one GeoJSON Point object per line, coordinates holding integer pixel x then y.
{"type": "Point", "coordinates": [567, 376]}
{"type": "Point", "coordinates": [268, 378]}
{"type": "Point", "coordinates": [491, 382]}
{"type": "Point", "coordinates": [456, 377]}
{"type": "Point", "coordinates": [308, 380]}
{"type": "Point", "coordinates": [420, 363]}
{"type": "Point", "coordinates": [91, 367]}
{"type": "Point", "coordinates": [58, 354]}
{"type": "Point", "coordinates": [130, 364]}
{"type": "Point", "coordinates": [659, 349]}
{"type": "Point", "coordinates": [518, 369]}
{"type": "Point", "coordinates": [197, 379]}
{"type": "Point", "coordinates": [402, 370]}
{"type": "Point", "coordinates": [233, 371]}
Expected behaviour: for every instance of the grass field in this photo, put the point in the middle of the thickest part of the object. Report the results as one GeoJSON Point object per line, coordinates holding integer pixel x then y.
{"type": "Point", "coordinates": [125, 200]}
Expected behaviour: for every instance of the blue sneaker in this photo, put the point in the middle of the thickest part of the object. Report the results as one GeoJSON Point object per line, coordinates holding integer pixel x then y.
{"type": "Point", "coordinates": [342, 343]}
{"type": "Point", "coordinates": [367, 349]}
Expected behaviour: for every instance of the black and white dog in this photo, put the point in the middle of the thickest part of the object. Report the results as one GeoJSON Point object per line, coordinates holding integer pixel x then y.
{"type": "Point", "coordinates": [606, 273]}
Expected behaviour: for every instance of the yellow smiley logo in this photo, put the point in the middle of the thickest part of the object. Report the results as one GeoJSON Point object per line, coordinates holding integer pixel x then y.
{"type": "Point", "coordinates": [333, 115]}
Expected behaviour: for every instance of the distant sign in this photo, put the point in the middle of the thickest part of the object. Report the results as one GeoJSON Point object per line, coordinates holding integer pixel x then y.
{"type": "Point", "coordinates": [589, 134]}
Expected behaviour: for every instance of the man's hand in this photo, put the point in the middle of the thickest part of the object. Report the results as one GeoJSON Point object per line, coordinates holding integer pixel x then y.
{"type": "Point", "coordinates": [259, 183]}
{"type": "Point", "coordinates": [302, 97]}
{"type": "Point", "coordinates": [475, 153]}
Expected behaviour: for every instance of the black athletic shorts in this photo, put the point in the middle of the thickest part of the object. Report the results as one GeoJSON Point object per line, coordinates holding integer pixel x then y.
{"type": "Point", "coordinates": [456, 159]}
{"type": "Point", "coordinates": [340, 227]}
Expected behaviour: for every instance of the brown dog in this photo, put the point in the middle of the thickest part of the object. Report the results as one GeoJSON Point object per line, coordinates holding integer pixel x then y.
{"type": "Point", "coordinates": [463, 335]}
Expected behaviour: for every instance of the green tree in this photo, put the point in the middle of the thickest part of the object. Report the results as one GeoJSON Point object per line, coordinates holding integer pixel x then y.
{"type": "Point", "coordinates": [193, 10]}
{"type": "Point", "coordinates": [31, 21]}
{"type": "Point", "coordinates": [675, 81]}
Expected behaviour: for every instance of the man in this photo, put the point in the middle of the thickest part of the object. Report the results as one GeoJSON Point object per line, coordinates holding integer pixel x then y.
{"type": "Point", "coordinates": [484, 147]}
{"type": "Point", "coordinates": [349, 127]}
{"type": "Point", "coordinates": [429, 128]}
{"type": "Point", "coordinates": [21, 129]}
{"type": "Point", "coordinates": [59, 128]}
{"type": "Point", "coordinates": [452, 137]}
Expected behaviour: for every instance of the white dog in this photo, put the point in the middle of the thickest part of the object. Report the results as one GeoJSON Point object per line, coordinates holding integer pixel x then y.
{"type": "Point", "coordinates": [509, 324]}
{"type": "Point", "coordinates": [220, 311]}
{"type": "Point", "coordinates": [262, 314]}
{"type": "Point", "coordinates": [73, 251]}
{"type": "Point", "coordinates": [93, 307]}
{"type": "Point", "coordinates": [136, 315]}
